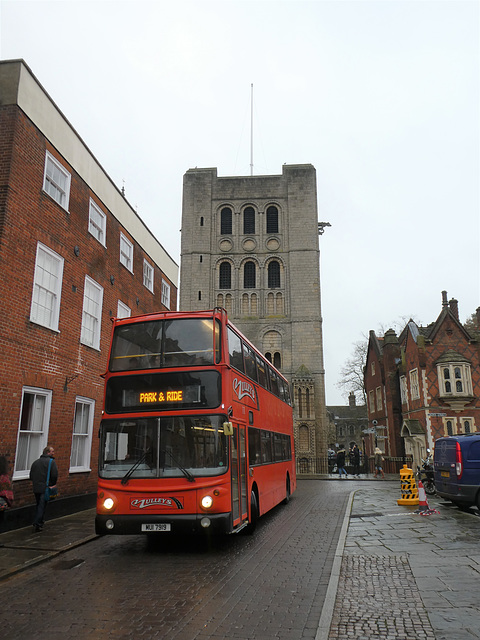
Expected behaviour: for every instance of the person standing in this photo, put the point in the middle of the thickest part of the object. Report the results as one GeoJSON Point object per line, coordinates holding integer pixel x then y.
{"type": "Point", "coordinates": [378, 462]}
{"type": "Point", "coordinates": [356, 461]}
{"type": "Point", "coordinates": [6, 492]}
{"type": "Point", "coordinates": [341, 462]}
{"type": "Point", "coordinates": [38, 476]}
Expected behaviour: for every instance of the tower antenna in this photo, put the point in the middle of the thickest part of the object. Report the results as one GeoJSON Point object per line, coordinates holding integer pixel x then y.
{"type": "Point", "coordinates": [251, 130]}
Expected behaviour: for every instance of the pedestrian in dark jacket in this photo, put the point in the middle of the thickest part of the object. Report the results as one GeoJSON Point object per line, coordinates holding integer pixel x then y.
{"type": "Point", "coordinates": [356, 460]}
{"type": "Point", "coordinates": [341, 462]}
{"type": "Point", "coordinates": [38, 476]}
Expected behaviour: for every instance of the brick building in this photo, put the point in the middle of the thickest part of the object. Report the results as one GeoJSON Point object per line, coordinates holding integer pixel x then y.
{"type": "Point", "coordinates": [250, 245]}
{"type": "Point", "coordinates": [73, 254]}
{"type": "Point", "coordinates": [425, 383]}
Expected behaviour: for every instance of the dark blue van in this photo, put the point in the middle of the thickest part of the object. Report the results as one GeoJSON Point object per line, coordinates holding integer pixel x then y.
{"type": "Point", "coordinates": [457, 469]}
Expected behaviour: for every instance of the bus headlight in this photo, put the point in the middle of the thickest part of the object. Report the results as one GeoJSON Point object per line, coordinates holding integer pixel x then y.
{"type": "Point", "coordinates": [206, 502]}
{"type": "Point", "coordinates": [108, 504]}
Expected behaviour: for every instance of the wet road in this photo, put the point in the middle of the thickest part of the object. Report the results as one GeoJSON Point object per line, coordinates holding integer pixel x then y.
{"type": "Point", "coordinates": [260, 587]}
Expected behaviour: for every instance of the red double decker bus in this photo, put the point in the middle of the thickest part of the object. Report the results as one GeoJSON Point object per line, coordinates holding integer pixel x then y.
{"type": "Point", "coordinates": [197, 429]}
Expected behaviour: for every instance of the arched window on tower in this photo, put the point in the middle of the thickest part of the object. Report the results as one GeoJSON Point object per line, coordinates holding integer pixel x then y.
{"type": "Point", "coordinates": [226, 221]}
{"type": "Point", "coordinates": [277, 360]}
{"type": "Point", "coordinates": [272, 219]}
{"type": "Point", "coordinates": [303, 438]}
{"type": "Point", "coordinates": [273, 275]}
{"type": "Point", "coordinates": [225, 276]}
{"type": "Point", "coordinates": [249, 280]}
{"type": "Point", "coordinates": [249, 221]}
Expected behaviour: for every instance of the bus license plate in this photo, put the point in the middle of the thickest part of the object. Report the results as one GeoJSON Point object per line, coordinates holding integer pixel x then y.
{"type": "Point", "coordinates": [156, 527]}
{"type": "Point", "coordinates": [445, 474]}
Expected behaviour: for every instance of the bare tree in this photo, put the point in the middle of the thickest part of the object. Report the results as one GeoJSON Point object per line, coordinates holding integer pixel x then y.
{"type": "Point", "coordinates": [471, 323]}
{"type": "Point", "coordinates": [352, 373]}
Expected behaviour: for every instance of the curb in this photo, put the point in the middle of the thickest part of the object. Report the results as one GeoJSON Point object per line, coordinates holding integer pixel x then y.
{"type": "Point", "coordinates": [331, 595]}
{"type": "Point", "coordinates": [47, 556]}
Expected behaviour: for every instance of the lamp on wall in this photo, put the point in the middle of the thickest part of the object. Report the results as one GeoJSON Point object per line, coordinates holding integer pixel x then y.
{"type": "Point", "coordinates": [68, 380]}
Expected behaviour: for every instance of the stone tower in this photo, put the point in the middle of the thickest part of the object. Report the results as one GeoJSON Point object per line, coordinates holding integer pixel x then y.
{"type": "Point", "coordinates": [250, 245]}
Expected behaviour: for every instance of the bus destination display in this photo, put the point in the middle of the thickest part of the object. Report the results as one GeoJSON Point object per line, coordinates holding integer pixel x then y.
{"type": "Point", "coordinates": [163, 391]}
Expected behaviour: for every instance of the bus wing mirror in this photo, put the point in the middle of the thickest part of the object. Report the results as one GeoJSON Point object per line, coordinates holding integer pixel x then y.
{"type": "Point", "coordinates": [228, 428]}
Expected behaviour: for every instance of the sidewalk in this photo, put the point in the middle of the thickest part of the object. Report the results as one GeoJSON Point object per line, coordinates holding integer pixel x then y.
{"type": "Point", "coordinates": [401, 575]}
{"type": "Point", "coordinates": [22, 548]}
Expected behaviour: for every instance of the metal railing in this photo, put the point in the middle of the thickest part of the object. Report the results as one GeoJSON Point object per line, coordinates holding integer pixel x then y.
{"type": "Point", "coordinates": [321, 466]}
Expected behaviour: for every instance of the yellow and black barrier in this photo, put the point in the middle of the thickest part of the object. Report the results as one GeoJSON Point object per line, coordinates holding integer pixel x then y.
{"type": "Point", "coordinates": [408, 487]}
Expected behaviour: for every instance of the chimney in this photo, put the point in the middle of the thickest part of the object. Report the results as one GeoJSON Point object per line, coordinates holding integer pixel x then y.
{"type": "Point", "coordinates": [351, 399]}
{"type": "Point", "coordinates": [478, 317]}
{"type": "Point", "coordinates": [454, 307]}
{"type": "Point", "coordinates": [444, 299]}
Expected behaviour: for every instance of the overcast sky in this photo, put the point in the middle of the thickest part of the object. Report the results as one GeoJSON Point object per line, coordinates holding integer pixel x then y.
{"type": "Point", "coordinates": [382, 97]}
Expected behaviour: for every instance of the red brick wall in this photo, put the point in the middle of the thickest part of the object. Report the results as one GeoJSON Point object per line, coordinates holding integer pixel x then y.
{"type": "Point", "coordinates": [34, 355]}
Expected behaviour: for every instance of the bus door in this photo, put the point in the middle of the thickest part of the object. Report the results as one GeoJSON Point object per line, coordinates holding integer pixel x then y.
{"type": "Point", "coordinates": [239, 476]}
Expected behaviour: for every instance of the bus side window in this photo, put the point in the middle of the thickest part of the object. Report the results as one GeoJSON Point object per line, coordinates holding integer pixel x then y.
{"type": "Point", "coordinates": [235, 350]}
{"type": "Point", "coordinates": [262, 374]}
{"type": "Point", "coordinates": [267, 453]}
{"type": "Point", "coordinates": [273, 382]}
{"type": "Point", "coordinates": [250, 364]}
{"type": "Point", "coordinates": [254, 446]}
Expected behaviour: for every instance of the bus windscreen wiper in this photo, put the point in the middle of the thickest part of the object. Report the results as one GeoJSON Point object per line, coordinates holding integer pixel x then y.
{"type": "Point", "coordinates": [134, 467]}
{"type": "Point", "coordinates": [185, 472]}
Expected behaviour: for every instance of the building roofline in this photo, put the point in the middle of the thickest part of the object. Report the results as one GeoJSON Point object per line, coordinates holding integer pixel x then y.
{"type": "Point", "coordinates": [19, 86]}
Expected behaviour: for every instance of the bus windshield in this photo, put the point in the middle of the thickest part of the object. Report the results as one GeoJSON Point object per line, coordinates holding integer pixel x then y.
{"type": "Point", "coordinates": [184, 342]}
{"type": "Point", "coordinates": [163, 447]}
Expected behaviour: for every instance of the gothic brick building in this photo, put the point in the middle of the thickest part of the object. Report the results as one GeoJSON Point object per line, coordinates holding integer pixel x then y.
{"type": "Point", "coordinates": [73, 254]}
{"type": "Point", "coordinates": [425, 383]}
{"type": "Point", "coordinates": [250, 245]}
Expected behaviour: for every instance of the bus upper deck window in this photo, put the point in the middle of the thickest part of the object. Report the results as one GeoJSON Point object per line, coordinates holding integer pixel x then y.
{"type": "Point", "coordinates": [235, 350]}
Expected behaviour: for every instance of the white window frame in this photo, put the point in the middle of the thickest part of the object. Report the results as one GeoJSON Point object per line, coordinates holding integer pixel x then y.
{"type": "Point", "coordinates": [371, 400]}
{"type": "Point", "coordinates": [126, 252]}
{"type": "Point", "coordinates": [92, 314]}
{"type": "Point", "coordinates": [454, 426]}
{"type": "Point", "coordinates": [465, 378]}
{"type": "Point", "coordinates": [148, 275]}
{"type": "Point", "coordinates": [165, 294]}
{"type": "Point", "coordinates": [123, 311]}
{"type": "Point", "coordinates": [32, 440]}
{"type": "Point", "coordinates": [58, 192]}
{"type": "Point", "coordinates": [47, 288]}
{"type": "Point", "coordinates": [403, 389]}
{"type": "Point", "coordinates": [373, 367]}
{"type": "Point", "coordinates": [97, 223]}
{"type": "Point", "coordinates": [471, 422]}
{"type": "Point", "coordinates": [379, 398]}
{"type": "Point", "coordinates": [83, 436]}
{"type": "Point", "coordinates": [414, 384]}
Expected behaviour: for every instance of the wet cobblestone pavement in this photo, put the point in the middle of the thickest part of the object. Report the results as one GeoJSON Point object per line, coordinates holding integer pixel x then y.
{"type": "Point", "coordinates": [404, 575]}
{"type": "Point", "coordinates": [342, 561]}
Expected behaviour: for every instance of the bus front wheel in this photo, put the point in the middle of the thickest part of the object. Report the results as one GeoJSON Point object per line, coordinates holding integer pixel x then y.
{"type": "Point", "coordinates": [252, 525]}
